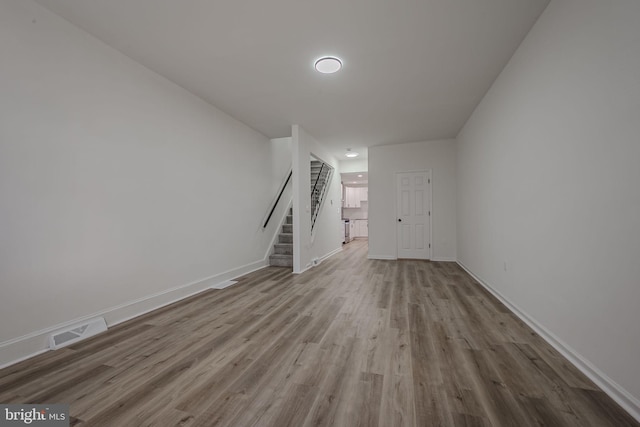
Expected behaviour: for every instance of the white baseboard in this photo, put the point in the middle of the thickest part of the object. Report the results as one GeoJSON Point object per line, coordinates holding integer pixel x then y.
{"type": "Point", "coordinates": [320, 259]}
{"type": "Point", "coordinates": [444, 259]}
{"type": "Point", "coordinates": [385, 257]}
{"type": "Point", "coordinates": [34, 343]}
{"type": "Point", "coordinates": [625, 399]}
{"type": "Point", "coordinates": [391, 257]}
{"type": "Point", "coordinates": [308, 267]}
{"type": "Point", "coordinates": [330, 254]}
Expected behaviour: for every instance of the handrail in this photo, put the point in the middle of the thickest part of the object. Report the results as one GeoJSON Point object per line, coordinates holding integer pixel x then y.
{"type": "Point", "coordinates": [273, 208]}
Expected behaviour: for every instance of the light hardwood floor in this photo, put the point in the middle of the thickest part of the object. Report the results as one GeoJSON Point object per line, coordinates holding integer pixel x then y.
{"type": "Point", "coordinates": [353, 342]}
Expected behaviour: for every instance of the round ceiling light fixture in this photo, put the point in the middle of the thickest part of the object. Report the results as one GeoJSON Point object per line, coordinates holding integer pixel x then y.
{"type": "Point", "coordinates": [328, 65]}
{"type": "Point", "coordinates": [351, 154]}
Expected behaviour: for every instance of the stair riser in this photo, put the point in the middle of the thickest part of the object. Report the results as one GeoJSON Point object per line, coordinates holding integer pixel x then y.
{"type": "Point", "coordinates": [289, 219]}
{"type": "Point", "coordinates": [281, 250]}
{"type": "Point", "coordinates": [287, 228]}
{"type": "Point", "coordinates": [281, 262]}
{"type": "Point", "coordinates": [285, 238]}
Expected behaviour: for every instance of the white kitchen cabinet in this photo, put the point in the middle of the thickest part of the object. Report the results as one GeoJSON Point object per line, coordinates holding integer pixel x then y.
{"type": "Point", "coordinates": [364, 194]}
{"type": "Point", "coordinates": [361, 228]}
{"type": "Point", "coordinates": [351, 197]}
{"type": "Point", "coordinates": [364, 228]}
{"type": "Point", "coordinates": [352, 229]}
{"type": "Point", "coordinates": [354, 195]}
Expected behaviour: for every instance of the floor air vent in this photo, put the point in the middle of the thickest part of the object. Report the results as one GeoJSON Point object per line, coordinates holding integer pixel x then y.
{"type": "Point", "coordinates": [78, 332]}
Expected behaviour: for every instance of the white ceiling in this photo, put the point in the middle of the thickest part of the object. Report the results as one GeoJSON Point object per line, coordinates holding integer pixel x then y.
{"type": "Point", "coordinates": [354, 178]}
{"type": "Point", "coordinates": [414, 70]}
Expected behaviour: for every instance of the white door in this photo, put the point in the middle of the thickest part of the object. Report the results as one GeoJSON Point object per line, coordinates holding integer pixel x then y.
{"type": "Point", "coordinates": [413, 222]}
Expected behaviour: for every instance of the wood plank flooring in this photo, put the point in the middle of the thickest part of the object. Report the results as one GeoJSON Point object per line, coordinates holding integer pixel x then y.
{"type": "Point", "coordinates": [353, 342]}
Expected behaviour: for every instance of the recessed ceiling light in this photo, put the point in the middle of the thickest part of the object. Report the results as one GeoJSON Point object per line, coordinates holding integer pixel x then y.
{"type": "Point", "coordinates": [350, 153]}
{"type": "Point", "coordinates": [328, 65]}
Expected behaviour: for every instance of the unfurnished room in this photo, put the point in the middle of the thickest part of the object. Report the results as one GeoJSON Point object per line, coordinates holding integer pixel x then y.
{"type": "Point", "coordinates": [339, 213]}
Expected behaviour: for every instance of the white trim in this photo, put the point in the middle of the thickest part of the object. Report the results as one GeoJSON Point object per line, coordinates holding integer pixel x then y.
{"type": "Point", "coordinates": [308, 267]}
{"type": "Point", "coordinates": [320, 259]}
{"type": "Point", "coordinates": [444, 259]}
{"type": "Point", "coordinates": [385, 257]}
{"type": "Point", "coordinates": [625, 399]}
{"type": "Point", "coordinates": [17, 349]}
{"type": "Point", "coordinates": [330, 254]}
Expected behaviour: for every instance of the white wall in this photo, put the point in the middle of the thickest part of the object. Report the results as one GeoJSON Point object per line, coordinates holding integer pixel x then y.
{"type": "Point", "coordinates": [327, 233]}
{"type": "Point", "coordinates": [353, 165]}
{"type": "Point", "coordinates": [280, 158]}
{"type": "Point", "coordinates": [548, 181]}
{"type": "Point", "coordinates": [281, 153]}
{"type": "Point", "coordinates": [115, 184]}
{"type": "Point", "coordinates": [384, 162]}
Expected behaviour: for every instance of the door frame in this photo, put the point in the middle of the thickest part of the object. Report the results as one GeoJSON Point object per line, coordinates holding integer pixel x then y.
{"type": "Point", "coordinates": [430, 207]}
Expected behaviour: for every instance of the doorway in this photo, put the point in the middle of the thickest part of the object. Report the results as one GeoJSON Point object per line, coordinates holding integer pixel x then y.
{"type": "Point", "coordinates": [355, 205]}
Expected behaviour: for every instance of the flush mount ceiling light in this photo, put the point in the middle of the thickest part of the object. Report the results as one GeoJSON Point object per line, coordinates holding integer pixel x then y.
{"type": "Point", "coordinates": [328, 65]}
{"type": "Point", "coordinates": [350, 153]}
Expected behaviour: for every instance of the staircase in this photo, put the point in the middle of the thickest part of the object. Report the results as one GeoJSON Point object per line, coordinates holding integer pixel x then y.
{"type": "Point", "coordinates": [283, 250]}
